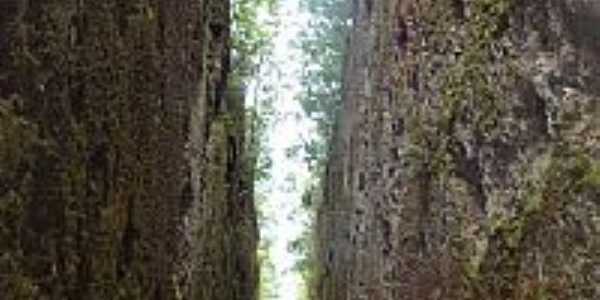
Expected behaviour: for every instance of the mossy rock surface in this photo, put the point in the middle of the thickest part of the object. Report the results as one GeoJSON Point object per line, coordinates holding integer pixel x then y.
{"type": "Point", "coordinates": [468, 148]}
{"type": "Point", "coordinates": [106, 110]}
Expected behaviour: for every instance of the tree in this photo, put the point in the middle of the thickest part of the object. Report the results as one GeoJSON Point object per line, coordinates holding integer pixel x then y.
{"type": "Point", "coordinates": [252, 34]}
{"type": "Point", "coordinates": [323, 44]}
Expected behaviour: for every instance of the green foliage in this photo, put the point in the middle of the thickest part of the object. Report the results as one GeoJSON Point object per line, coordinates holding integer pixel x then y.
{"type": "Point", "coordinates": [268, 284]}
{"type": "Point", "coordinates": [323, 44]}
{"type": "Point", "coordinates": [253, 30]}
{"type": "Point", "coordinates": [252, 34]}
{"type": "Point", "coordinates": [257, 151]}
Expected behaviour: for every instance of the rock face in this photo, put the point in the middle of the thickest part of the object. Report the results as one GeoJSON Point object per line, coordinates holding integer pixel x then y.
{"type": "Point", "coordinates": [466, 164]}
{"type": "Point", "coordinates": [122, 172]}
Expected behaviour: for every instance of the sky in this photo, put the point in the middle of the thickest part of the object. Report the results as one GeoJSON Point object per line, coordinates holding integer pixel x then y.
{"type": "Point", "coordinates": [283, 195]}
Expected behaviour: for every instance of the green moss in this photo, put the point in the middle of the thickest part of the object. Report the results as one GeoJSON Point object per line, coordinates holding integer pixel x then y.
{"type": "Point", "coordinates": [466, 86]}
{"type": "Point", "coordinates": [17, 136]}
{"type": "Point", "coordinates": [572, 172]}
{"type": "Point", "coordinates": [20, 287]}
{"type": "Point", "coordinates": [590, 177]}
{"type": "Point", "coordinates": [17, 139]}
{"type": "Point", "coordinates": [564, 175]}
{"type": "Point", "coordinates": [553, 182]}
{"type": "Point", "coordinates": [468, 81]}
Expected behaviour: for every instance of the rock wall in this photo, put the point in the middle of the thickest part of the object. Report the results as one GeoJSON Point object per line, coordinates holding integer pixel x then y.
{"type": "Point", "coordinates": [466, 164]}
{"type": "Point", "coordinates": [122, 172]}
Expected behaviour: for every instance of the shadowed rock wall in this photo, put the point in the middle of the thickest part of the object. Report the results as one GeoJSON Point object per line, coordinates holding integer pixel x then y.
{"type": "Point", "coordinates": [122, 174]}
{"type": "Point", "coordinates": [467, 161]}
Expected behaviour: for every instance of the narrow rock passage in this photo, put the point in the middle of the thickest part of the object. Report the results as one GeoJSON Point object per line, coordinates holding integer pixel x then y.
{"type": "Point", "coordinates": [285, 218]}
{"type": "Point", "coordinates": [456, 147]}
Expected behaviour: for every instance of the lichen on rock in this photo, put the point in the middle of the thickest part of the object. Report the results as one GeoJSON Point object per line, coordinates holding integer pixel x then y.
{"type": "Point", "coordinates": [489, 189]}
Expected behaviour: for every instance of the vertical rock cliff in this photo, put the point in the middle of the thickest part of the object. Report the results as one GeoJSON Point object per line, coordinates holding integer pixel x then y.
{"type": "Point", "coordinates": [122, 172]}
{"type": "Point", "coordinates": [466, 164]}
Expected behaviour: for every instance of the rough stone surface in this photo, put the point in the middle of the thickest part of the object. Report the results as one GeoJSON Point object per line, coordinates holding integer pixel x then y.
{"type": "Point", "coordinates": [466, 164]}
{"type": "Point", "coordinates": [122, 174]}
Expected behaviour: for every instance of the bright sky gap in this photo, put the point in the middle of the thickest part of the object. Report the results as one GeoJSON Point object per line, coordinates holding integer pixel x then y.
{"type": "Point", "coordinates": [282, 206]}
